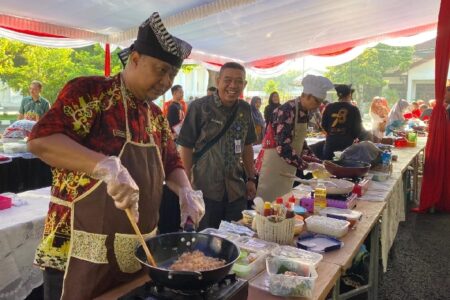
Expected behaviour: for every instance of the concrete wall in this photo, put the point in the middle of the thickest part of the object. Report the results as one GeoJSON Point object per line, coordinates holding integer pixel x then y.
{"type": "Point", "coordinates": [421, 74]}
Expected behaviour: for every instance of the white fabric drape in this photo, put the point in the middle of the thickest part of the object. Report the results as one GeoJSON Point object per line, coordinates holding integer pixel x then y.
{"type": "Point", "coordinates": [50, 42]}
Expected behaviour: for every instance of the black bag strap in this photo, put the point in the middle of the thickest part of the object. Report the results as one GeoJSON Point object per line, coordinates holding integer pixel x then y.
{"type": "Point", "coordinates": [197, 155]}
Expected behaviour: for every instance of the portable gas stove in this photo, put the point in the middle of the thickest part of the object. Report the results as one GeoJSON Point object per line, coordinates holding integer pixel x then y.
{"type": "Point", "coordinates": [230, 288]}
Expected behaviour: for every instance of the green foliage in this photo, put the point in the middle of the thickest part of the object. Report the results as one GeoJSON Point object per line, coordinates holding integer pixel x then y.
{"type": "Point", "coordinates": [391, 96]}
{"type": "Point", "coordinates": [283, 84]}
{"type": "Point", "coordinates": [188, 68]}
{"type": "Point", "coordinates": [24, 63]}
{"type": "Point", "coordinates": [367, 70]}
{"type": "Point", "coordinates": [271, 86]}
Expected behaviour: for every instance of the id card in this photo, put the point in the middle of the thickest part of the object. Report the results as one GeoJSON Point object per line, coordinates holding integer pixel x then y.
{"type": "Point", "coordinates": [237, 146]}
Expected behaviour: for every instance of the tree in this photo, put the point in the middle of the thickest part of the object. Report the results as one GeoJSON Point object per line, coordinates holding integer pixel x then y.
{"type": "Point", "coordinates": [367, 70]}
{"type": "Point", "coordinates": [23, 63]}
{"type": "Point", "coordinates": [270, 86]}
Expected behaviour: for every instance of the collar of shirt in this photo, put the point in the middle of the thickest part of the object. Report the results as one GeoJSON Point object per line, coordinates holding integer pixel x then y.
{"type": "Point", "coordinates": [219, 103]}
{"type": "Point", "coordinates": [36, 101]}
{"type": "Point", "coordinates": [131, 97]}
{"type": "Point", "coordinates": [217, 99]}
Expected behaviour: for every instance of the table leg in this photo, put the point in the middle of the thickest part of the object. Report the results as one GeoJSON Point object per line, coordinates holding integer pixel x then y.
{"type": "Point", "coordinates": [337, 289]}
{"type": "Point", "coordinates": [416, 178]}
{"type": "Point", "coordinates": [372, 286]}
{"type": "Point", "coordinates": [374, 261]}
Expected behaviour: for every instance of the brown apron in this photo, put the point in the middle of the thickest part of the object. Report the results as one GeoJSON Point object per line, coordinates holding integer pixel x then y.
{"type": "Point", "coordinates": [102, 242]}
{"type": "Point", "coordinates": [271, 184]}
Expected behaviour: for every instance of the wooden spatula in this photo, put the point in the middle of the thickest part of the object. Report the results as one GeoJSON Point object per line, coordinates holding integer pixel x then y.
{"type": "Point", "coordinates": [150, 258]}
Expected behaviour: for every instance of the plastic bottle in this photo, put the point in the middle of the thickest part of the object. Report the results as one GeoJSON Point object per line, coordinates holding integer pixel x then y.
{"type": "Point", "coordinates": [267, 209]}
{"type": "Point", "coordinates": [277, 206]}
{"type": "Point", "coordinates": [320, 197]}
{"type": "Point", "coordinates": [289, 211]}
{"type": "Point", "coordinates": [386, 158]}
{"type": "Point", "coordinates": [292, 201]}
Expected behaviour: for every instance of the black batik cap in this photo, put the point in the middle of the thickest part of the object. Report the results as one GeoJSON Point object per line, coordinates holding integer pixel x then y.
{"type": "Point", "coordinates": [154, 40]}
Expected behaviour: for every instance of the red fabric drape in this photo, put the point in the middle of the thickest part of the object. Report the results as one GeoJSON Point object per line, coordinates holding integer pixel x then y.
{"type": "Point", "coordinates": [107, 60]}
{"type": "Point", "coordinates": [31, 32]}
{"type": "Point", "coordinates": [435, 187]}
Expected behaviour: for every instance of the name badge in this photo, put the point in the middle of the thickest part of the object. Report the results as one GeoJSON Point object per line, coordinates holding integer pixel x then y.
{"type": "Point", "coordinates": [237, 146]}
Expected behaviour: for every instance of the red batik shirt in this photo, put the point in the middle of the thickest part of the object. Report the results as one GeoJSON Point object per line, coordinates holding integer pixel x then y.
{"type": "Point", "coordinates": [90, 110]}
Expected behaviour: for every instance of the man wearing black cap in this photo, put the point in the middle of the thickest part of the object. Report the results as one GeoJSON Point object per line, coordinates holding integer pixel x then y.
{"type": "Point", "coordinates": [342, 122]}
{"type": "Point", "coordinates": [110, 147]}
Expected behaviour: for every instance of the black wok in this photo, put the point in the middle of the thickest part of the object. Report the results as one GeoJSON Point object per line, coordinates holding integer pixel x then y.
{"type": "Point", "coordinates": [166, 248]}
{"type": "Point", "coordinates": [347, 168]}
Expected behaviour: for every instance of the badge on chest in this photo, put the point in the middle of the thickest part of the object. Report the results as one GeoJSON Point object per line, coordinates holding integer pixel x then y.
{"type": "Point", "coordinates": [237, 146]}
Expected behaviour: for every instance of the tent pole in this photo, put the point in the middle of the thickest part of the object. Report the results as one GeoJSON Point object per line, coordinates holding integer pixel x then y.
{"type": "Point", "coordinates": [107, 60]}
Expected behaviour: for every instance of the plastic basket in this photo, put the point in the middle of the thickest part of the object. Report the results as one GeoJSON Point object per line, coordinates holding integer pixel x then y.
{"type": "Point", "coordinates": [280, 232]}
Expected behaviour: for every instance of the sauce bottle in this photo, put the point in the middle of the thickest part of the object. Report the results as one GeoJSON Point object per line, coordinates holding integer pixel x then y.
{"type": "Point", "coordinates": [277, 206]}
{"type": "Point", "coordinates": [289, 211]}
{"type": "Point", "coordinates": [267, 209]}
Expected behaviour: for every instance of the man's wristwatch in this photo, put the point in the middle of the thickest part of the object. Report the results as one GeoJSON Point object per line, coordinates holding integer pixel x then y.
{"type": "Point", "coordinates": [252, 179]}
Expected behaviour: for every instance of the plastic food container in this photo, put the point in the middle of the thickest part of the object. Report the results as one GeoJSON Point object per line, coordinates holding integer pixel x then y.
{"type": "Point", "coordinates": [328, 226]}
{"type": "Point", "coordinates": [11, 148]}
{"type": "Point", "coordinates": [318, 242]}
{"type": "Point", "coordinates": [299, 255]}
{"type": "Point", "coordinates": [255, 244]}
{"type": "Point", "coordinates": [352, 216]}
{"type": "Point", "coordinates": [380, 176]}
{"type": "Point", "coordinates": [290, 278]}
{"type": "Point", "coordinates": [5, 202]}
{"type": "Point", "coordinates": [223, 234]}
{"type": "Point", "coordinates": [248, 216]}
{"type": "Point", "coordinates": [249, 263]}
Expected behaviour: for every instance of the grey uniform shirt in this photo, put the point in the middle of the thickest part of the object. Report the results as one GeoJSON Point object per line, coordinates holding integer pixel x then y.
{"type": "Point", "coordinates": [219, 170]}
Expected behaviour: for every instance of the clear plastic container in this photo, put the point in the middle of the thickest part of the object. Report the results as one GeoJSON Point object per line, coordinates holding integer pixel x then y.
{"type": "Point", "coordinates": [288, 277]}
{"type": "Point", "coordinates": [344, 214]}
{"type": "Point", "coordinates": [328, 226]}
{"type": "Point", "coordinates": [223, 234]}
{"type": "Point", "coordinates": [11, 148]}
{"type": "Point", "coordinates": [249, 263]}
{"type": "Point", "coordinates": [255, 244]}
{"type": "Point", "coordinates": [297, 254]}
{"type": "Point", "coordinates": [248, 216]}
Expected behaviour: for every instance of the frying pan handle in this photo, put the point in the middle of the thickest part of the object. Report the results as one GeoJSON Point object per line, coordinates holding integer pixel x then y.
{"type": "Point", "coordinates": [197, 275]}
{"type": "Point", "coordinates": [189, 226]}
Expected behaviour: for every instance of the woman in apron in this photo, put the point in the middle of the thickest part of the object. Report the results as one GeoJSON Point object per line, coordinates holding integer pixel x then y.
{"type": "Point", "coordinates": [284, 150]}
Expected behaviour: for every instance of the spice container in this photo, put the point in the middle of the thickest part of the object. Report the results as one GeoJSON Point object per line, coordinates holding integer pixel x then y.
{"type": "Point", "coordinates": [248, 216]}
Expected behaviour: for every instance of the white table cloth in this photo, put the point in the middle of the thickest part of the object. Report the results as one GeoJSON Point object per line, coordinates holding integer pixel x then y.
{"type": "Point", "coordinates": [21, 229]}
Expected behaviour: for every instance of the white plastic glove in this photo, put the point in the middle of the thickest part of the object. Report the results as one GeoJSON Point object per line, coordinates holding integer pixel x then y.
{"type": "Point", "coordinates": [119, 184]}
{"type": "Point", "coordinates": [191, 205]}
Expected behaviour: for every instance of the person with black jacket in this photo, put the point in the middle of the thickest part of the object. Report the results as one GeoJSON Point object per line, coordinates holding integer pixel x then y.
{"type": "Point", "coordinates": [342, 122]}
{"type": "Point", "coordinates": [274, 102]}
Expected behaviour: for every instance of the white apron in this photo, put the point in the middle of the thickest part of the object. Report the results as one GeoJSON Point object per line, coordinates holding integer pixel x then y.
{"type": "Point", "coordinates": [271, 184]}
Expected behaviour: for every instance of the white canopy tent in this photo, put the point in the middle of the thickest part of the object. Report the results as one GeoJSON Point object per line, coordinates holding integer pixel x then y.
{"type": "Point", "coordinates": [264, 35]}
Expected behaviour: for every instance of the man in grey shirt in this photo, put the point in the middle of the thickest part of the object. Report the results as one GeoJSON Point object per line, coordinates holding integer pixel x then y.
{"type": "Point", "coordinates": [219, 171]}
